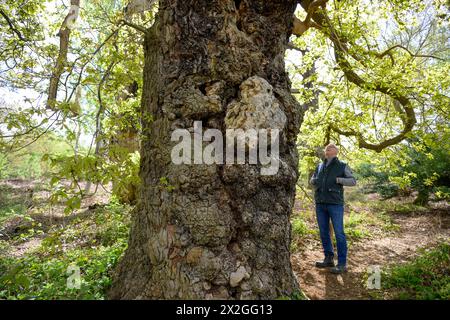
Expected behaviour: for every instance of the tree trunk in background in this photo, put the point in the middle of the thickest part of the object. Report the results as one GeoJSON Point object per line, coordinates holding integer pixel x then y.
{"type": "Point", "coordinates": [125, 142]}
{"type": "Point", "coordinates": [212, 231]}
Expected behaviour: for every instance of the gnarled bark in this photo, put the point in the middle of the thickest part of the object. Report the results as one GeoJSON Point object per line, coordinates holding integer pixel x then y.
{"type": "Point", "coordinates": [213, 231]}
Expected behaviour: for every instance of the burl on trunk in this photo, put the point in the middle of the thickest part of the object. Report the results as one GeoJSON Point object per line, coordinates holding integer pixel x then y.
{"type": "Point", "coordinates": [213, 231]}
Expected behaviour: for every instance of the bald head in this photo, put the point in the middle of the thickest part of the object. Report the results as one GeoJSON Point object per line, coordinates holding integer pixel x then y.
{"type": "Point", "coordinates": [331, 150]}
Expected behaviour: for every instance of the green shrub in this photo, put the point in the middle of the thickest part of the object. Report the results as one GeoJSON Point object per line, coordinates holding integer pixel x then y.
{"type": "Point", "coordinates": [427, 277]}
{"type": "Point", "coordinates": [93, 244]}
{"type": "Point", "coordinates": [300, 228]}
{"type": "Point", "coordinates": [376, 180]}
{"type": "Point", "coordinates": [10, 204]}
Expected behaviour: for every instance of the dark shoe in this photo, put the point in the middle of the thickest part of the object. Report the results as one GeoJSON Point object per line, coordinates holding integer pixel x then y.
{"type": "Point", "coordinates": [338, 269]}
{"type": "Point", "coordinates": [326, 263]}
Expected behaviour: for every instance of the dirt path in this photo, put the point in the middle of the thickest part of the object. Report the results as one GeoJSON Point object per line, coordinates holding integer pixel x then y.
{"type": "Point", "coordinates": [416, 230]}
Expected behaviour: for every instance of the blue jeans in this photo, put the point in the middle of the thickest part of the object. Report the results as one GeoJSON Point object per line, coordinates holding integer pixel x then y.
{"type": "Point", "coordinates": [336, 212]}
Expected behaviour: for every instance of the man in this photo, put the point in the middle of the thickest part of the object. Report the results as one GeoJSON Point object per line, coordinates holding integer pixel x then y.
{"type": "Point", "coordinates": [329, 180]}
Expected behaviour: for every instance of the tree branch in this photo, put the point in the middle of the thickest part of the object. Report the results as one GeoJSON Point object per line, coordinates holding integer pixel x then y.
{"type": "Point", "coordinates": [408, 116]}
{"type": "Point", "coordinates": [61, 61]}
{"type": "Point", "coordinates": [387, 52]}
{"type": "Point", "coordinates": [134, 26]}
{"type": "Point", "coordinates": [300, 27]}
{"type": "Point", "coordinates": [292, 46]}
{"type": "Point", "coordinates": [97, 50]}
{"type": "Point", "coordinates": [12, 27]}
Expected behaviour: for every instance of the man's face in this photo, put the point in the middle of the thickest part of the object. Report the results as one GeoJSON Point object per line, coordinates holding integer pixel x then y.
{"type": "Point", "coordinates": [330, 152]}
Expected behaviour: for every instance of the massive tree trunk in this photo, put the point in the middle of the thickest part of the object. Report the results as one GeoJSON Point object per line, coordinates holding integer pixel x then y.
{"type": "Point", "coordinates": [213, 231]}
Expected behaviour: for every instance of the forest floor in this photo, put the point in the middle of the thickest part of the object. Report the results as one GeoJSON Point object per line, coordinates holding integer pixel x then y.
{"type": "Point", "coordinates": [388, 233]}
{"type": "Point", "coordinates": [380, 233]}
{"type": "Point", "coordinates": [25, 205]}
